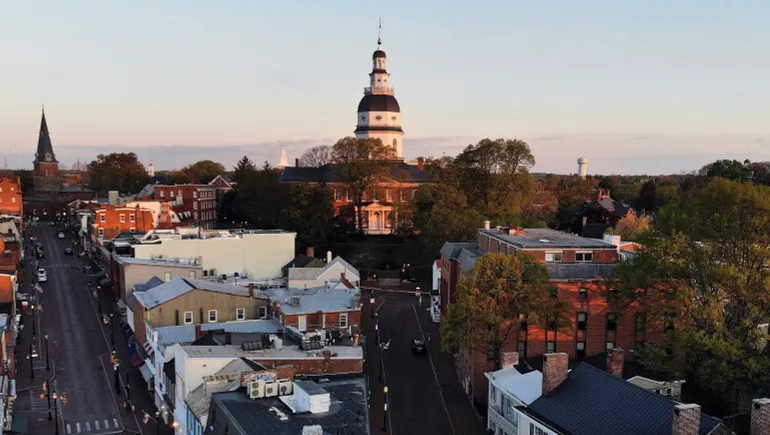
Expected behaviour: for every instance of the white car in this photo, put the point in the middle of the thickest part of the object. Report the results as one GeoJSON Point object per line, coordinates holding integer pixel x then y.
{"type": "Point", "coordinates": [42, 276]}
{"type": "Point", "coordinates": [61, 235]}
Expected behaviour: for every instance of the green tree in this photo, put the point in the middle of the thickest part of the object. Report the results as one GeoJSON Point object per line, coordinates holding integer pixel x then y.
{"type": "Point", "coordinates": [705, 272]}
{"type": "Point", "coordinates": [310, 213]}
{"type": "Point", "coordinates": [243, 169]}
{"type": "Point", "coordinates": [117, 171]}
{"type": "Point", "coordinates": [730, 169]}
{"type": "Point", "coordinates": [648, 196]}
{"type": "Point", "coordinates": [26, 178]}
{"type": "Point", "coordinates": [489, 301]}
{"type": "Point", "coordinates": [203, 171]}
{"type": "Point", "coordinates": [258, 196]}
{"type": "Point", "coordinates": [361, 162]}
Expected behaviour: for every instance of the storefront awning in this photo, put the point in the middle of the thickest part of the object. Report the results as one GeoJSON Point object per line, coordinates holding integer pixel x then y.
{"type": "Point", "coordinates": [146, 373]}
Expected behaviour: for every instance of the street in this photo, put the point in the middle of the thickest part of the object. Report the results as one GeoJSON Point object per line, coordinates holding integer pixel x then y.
{"type": "Point", "coordinates": [80, 365]}
{"type": "Point", "coordinates": [414, 399]}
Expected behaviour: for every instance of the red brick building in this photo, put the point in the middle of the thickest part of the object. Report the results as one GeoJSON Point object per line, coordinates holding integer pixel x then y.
{"type": "Point", "coordinates": [110, 220]}
{"type": "Point", "coordinates": [10, 196]}
{"type": "Point", "coordinates": [320, 308]}
{"type": "Point", "coordinates": [577, 266]}
{"type": "Point", "coordinates": [199, 200]}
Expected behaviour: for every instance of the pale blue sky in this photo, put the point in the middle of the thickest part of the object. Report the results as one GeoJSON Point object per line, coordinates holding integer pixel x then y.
{"type": "Point", "coordinates": [637, 87]}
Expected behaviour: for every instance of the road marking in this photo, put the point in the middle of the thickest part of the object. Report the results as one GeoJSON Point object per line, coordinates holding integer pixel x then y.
{"type": "Point", "coordinates": [69, 429]}
{"type": "Point", "coordinates": [77, 426]}
{"type": "Point", "coordinates": [115, 420]}
{"type": "Point", "coordinates": [106, 424]}
{"type": "Point", "coordinates": [96, 424]}
{"type": "Point", "coordinates": [88, 426]}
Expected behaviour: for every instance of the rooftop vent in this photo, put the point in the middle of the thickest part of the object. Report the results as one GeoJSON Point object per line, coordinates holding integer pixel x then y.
{"type": "Point", "coordinates": [545, 241]}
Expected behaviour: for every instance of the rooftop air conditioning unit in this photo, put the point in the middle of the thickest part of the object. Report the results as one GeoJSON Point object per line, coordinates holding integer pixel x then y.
{"type": "Point", "coordinates": [256, 389]}
{"type": "Point", "coordinates": [271, 389]}
{"type": "Point", "coordinates": [285, 387]}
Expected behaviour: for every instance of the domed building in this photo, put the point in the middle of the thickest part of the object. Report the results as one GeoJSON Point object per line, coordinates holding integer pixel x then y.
{"type": "Point", "coordinates": [379, 115]}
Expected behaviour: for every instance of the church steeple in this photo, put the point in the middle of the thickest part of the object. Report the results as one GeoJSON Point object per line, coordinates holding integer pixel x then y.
{"type": "Point", "coordinates": [44, 147]}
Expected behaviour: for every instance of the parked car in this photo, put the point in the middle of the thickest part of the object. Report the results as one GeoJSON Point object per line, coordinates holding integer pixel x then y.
{"type": "Point", "coordinates": [61, 235]}
{"type": "Point", "coordinates": [22, 296]}
{"type": "Point", "coordinates": [42, 275]}
{"type": "Point", "coordinates": [68, 251]}
{"type": "Point", "coordinates": [418, 346]}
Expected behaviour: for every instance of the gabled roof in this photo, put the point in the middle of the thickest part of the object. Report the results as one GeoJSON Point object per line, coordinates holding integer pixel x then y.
{"type": "Point", "coordinates": [397, 170]}
{"type": "Point", "coordinates": [526, 387]}
{"type": "Point", "coordinates": [592, 402]}
{"type": "Point", "coordinates": [180, 286]}
{"type": "Point", "coordinates": [151, 284]}
{"type": "Point", "coordinates": [311, 273]}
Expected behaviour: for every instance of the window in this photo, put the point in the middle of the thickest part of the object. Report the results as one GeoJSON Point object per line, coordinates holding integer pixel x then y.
{"type": "Point", "coordinates": [212, 316]}
{"type": "Point", "coordinates": [162, 193]}
{"type": "Point", "coordinates": [192, 274]}
{"type": "Point", "coordinates": [240, 314]}
{"type": "Point", "coordinates": [521, 347]}
{"type": "Point", "coordinates": [195, 194]}
{"type": "Point", "coordinates": [584, 257]}
{"type": "Point", "coordinates": [337, 195]}
{"type": "Point", "coordinates": [188, 317]}
{"type": "Point", "coordinates": [179, 193]}
{"type": "Point", "coordinates": [580, 349]}
{"type": "Point", "coordinates": [103, 217]}
{"type": "Point", "coordinates": [388, 196]}
{"type": "Point", "coordinates": [534, 430]}
{"type": "Point", "coordinates": [641, 322]}
{"type": "Point", "coordinates": [550, 346]}
{"type": "Point", "coordinates": [263, 313]}
{"type": "Point", "coordinates": [13, 200]}
{"type": "Point", "coordinates": [347, 195]}
{"type": "Point", "coordinates": [395, 143]}
{"type": "Point", "coordinates": [167, 277]}
{"type": "Point", "coordinates": [195, 206]}
{"type": "Point", "coordinates": [13, 189]}
{"type": "Point", "coordinates": [400, 194]}
{"type": "Point", "coordinates": [612, 322]}
{"type": "Point", "coordinates": [553, 257]}
{"type": "Point", "coordinates": [343, 320]}
{"type": "Point", "coordinates": [583, 293]}
{"type": "Point", "coordinates": [609, 345]}
{"type": "Point", "coordinates": [101, 232]}
{"type": "Point", "coordinates": [122, 218]}
{"type": "Point", "coordinates": [132, 218]}
{"type": "Point", "coordinates": [375, 195]}
{"type": "Point", "coordinates": [581, 321]}
{"type": "Point", "coordinates": [133, 230]}
{"type": "Point", "coordinates": [492, 393]}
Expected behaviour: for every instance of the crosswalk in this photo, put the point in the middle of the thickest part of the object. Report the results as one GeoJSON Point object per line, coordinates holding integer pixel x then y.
{"type": "Point", "coordinates": [94, 426]}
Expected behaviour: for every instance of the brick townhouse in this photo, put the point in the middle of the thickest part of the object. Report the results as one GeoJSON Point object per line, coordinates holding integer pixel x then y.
{"type": "Point", "coordinates": [10, 196]}
{"type": "Point", "coordinates": [577, 266]}
{"type": "Point", "coordinates": [200, 200]}
{"type": "Point", "coordinates": [110, 220]}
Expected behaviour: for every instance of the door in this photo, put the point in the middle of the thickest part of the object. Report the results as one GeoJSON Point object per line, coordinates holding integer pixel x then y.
{"type": "Point", "coordinates": [302, 323]}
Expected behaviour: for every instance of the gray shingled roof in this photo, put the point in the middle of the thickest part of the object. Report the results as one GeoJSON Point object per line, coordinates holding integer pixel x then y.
{"type": "Point", "coordinates": [397, 170]}
{"type": "Point", "coordinates": [592, 402]}
{"type": "Point", "coordinates": [172, 290]}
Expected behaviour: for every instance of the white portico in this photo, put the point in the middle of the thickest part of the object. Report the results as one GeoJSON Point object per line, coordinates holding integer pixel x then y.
{"type": "Point", "coordinates": [379, 114]}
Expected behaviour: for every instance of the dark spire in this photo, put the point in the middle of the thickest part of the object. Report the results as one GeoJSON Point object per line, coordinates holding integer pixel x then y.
{"type": "Point", "coordinates": [44, 146]}
{"type": "Point", "coordinates": [379, 35]}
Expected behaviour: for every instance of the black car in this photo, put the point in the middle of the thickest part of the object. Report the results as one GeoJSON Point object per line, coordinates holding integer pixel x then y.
{"type": "Point", "coordinates": [68, 251]}
{"type": "Point", "coordinates": [40, 254]}
{"type": "Point", "coordinates": [419, 347]}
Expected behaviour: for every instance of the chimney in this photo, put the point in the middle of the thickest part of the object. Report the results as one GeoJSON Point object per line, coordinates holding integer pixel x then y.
{"type": "Point", "coordinates": [760, 416]}
{"type": "Point", "coordinates": [252, 287]}
{"type": "Point", "coordinates": [509, 359]}
{"type": "Point", "coordinates": [310, 251]}
{"type": "Point", "coordinates": [228, 338]}
{"type": "Point", "coordinates": [328, 256]}
{"type": "Point", "coordinates": [686, 419]}
{"type": "Point", "coordinates": [295, 301]}
{"type": "Point", "coordinates": [615, 360]}
{"type": "Point", "coordinates": [296, 163]}
{"type": "Point", "coordinates": [198, 332]}
{"type": "Point", "coordinates": [421, 163]}
{"type": "Point", "coordinates": [555, 370]}
{"type": "Point", "coordinates": [487, 224]}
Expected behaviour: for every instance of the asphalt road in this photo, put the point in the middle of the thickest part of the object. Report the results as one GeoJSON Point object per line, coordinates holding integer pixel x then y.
{"type": "Point", "coordinates": [79, 350]}
{"type": "Point", "coordinates": [415, 403]}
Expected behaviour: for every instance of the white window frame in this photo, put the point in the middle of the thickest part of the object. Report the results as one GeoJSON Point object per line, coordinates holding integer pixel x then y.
{"type": "Point", "coordinates": [337, 195]}
{"type": "Point", "coordinates": [345, 323]}
{"type": "Point", "coordinates": [375, 195]}
{"type": "Point", "coordinates": [388, 196]}
{"type": "Point", "coordinates": [192, 318]}
{"type": "Point", "coordinates": [554, 255]}
{"type": "Point", "coordinates": [263, 312]}
{"type": "Point", "coordinates": [240, 314]}
{"type": "Point", "coordinates": [101, 232]}
{"type": "Point", "coordinates": [103, 217]}
{"type": "Point", "coordinates": [401, 195]}
{"type": "Point", "coordinates": [162, 193]}
{"type": "Point", "coordinates": [193, 274]}
{"type": "Point", "coordinates": [132, 217]}
{"type": "Point", "coordinates": [167, 277]}
{"type": "Point", "coordinates": [122, 218]}
{"type": "Point", "coordinates": [133, 230]}
{"type": "Point", "coordinates": [347, 195]}
{"type": "Point", "coordinates": [195, 193]}
{"type": "Point", "coordinates": [215, 316]}
{"type": "Point", "coordinates": [583, 254]}
{"type": "Point", "coordinates": [13, 200]}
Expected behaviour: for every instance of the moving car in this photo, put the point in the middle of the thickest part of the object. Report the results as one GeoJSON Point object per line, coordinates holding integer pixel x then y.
{"type": "Point", "coordinates": [52, 224]}
{"type": "Point", "coordinates": [68, 251]}
{"type": "Point", "coordinates": [418, 347]}
{"type": "Point", "coordinates": [40, 253]}
{"type": "Point", "coordinates": [61, 235]}
{"type": "Point", "coordinates": [42, 275]}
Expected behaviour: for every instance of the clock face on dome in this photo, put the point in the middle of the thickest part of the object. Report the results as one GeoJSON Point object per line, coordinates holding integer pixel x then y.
{"type": "Point", "coordinates": [48, 157]}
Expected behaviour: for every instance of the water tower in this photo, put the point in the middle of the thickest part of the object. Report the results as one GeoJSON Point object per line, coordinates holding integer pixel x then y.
{"type": "Point", "coordinates": [583, 167]}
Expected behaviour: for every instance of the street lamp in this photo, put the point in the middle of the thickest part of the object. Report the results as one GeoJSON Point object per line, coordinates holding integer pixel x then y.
{"type": "Point", "coordinates": [371, 302]}
{"type": "Point", "coordinates": [157, 422]}
{"type": "Point", "coordinates": [48, 395]}
{"type": "Point", "coordinates": [56, 412]}
{"type": "Point", "coordinates": [419, 296]}
{"type": "Point", "coordinates": [47, 358]}
{"type": "Point", "coordinates": [117, 378]}
{"type": "Point", "coordinates": [31, 367]}
{"type": "Point", "coordinates": [385, 408]}
{"type": "Point", "coordinates": [112, 329]}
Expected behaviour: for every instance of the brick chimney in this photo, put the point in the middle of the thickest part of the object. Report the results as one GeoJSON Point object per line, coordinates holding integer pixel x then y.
{"type": "Point", "coordinates": [509, 359]}
{"type": "Point", "coordinates": [252, 288]}
{"type": "Point", "coordinates": [760, 416]}
{"type": "Point", "coordinates": [555, 370]}
{"type": "Point", "coordinates": [615, 360]}
{"type": "Point", "coordinates": [421, 163]}
{"type": "Point", "coordinates": [198, 332]}
{"type": "Point", "coordinates": [310, 251]}
{"type": "Point", "coordinates": [686, 419]}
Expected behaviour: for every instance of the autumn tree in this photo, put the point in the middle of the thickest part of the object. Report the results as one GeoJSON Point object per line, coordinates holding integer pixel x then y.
{"type": "Point", "coordinates": [361, 162]}
{"type": "Point", "coordinates": [704, 277]}
{"type": "Point", "coordinates": [117, 171]}
{"type": "Point", "coordinates": [631, 226]}
{"type": "Point", "coordinates": [490, 299]}
{"type": "Point", "coordinates": [203, 171]}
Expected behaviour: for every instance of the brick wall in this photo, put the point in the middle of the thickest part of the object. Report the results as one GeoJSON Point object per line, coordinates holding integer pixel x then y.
{"type": "Point", "coordinates": [686, 419]}
{"type": "Point", "coordinates": [316, 320]}
{"type": "Point", "coordinates": [198, 199]}
{"type": "Point", "coordinates": [760, 416]}
{"type": "Point", "coordinates": [316, 366]}
{"type": "Point", "coordinates": [113, 220]}
{"type": "Point", "coordinates": [10, 196]}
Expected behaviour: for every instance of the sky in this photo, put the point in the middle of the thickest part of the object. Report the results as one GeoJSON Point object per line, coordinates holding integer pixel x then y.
{"type": "Point", "coordinates": [653, 87]}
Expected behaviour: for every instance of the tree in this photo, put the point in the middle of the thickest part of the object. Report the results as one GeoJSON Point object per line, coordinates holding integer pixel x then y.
{"type": "Point", "coordinates": [648, 196]}
{"type": "Point", "coordinates": [310, 214]}
{"type": "Point", "coordinates": [117, 171]}
{"type": "Point", "coordinates": [316, 157]}
{"type": "Point", "coordinates": [489, 301]}
{"type": "Point", "coordinates": [704, 277]}
{"type": "Point", "coordinates": [258, 196]}
{"type": "Point", "coordinates": [730, 169]}
{"type": "Point", "coordinates": [26, 178]}
{"type": "Point", "coordinates": [361, 162]}
{"type": "Point", "coordinates": [203, 171]}
{"type": "Point", "coordinates": [631, 226]}
{"type": "Point", "coordinates": [243, 169]}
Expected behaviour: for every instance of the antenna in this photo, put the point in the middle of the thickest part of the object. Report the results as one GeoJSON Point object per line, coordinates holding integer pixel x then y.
{"type": "Point", "coordinates": [379, 35]}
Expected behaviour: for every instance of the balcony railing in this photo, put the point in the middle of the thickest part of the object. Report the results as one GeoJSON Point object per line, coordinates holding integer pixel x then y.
{"type": "Point", "coordinates": [502, 422]}
{"type": "Point", "coordinates": [380, 90]}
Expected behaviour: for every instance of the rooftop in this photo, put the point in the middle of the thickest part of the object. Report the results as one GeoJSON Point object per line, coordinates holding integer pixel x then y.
{"type": "Point", "coordinates": [327, 300]}
{"type": "Point", "coordinates": [185, 334]}
{"type": "Point", "coordinates": [180, 286]}
{"type": "Point", "coordinates": [311, 273]}
{"type": "Point", "coordinates": [193, 263]}
{"type": "Point", "coordinates": [288, 351]}
{"type": "Point", "coordinates": [527, 387]}
{"type": "Point", "coordinates": [545, 238]}
{"type": "Point", "coordinates": [348, 409]}
{"type": "Point", "coordinates": [227, 379]}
